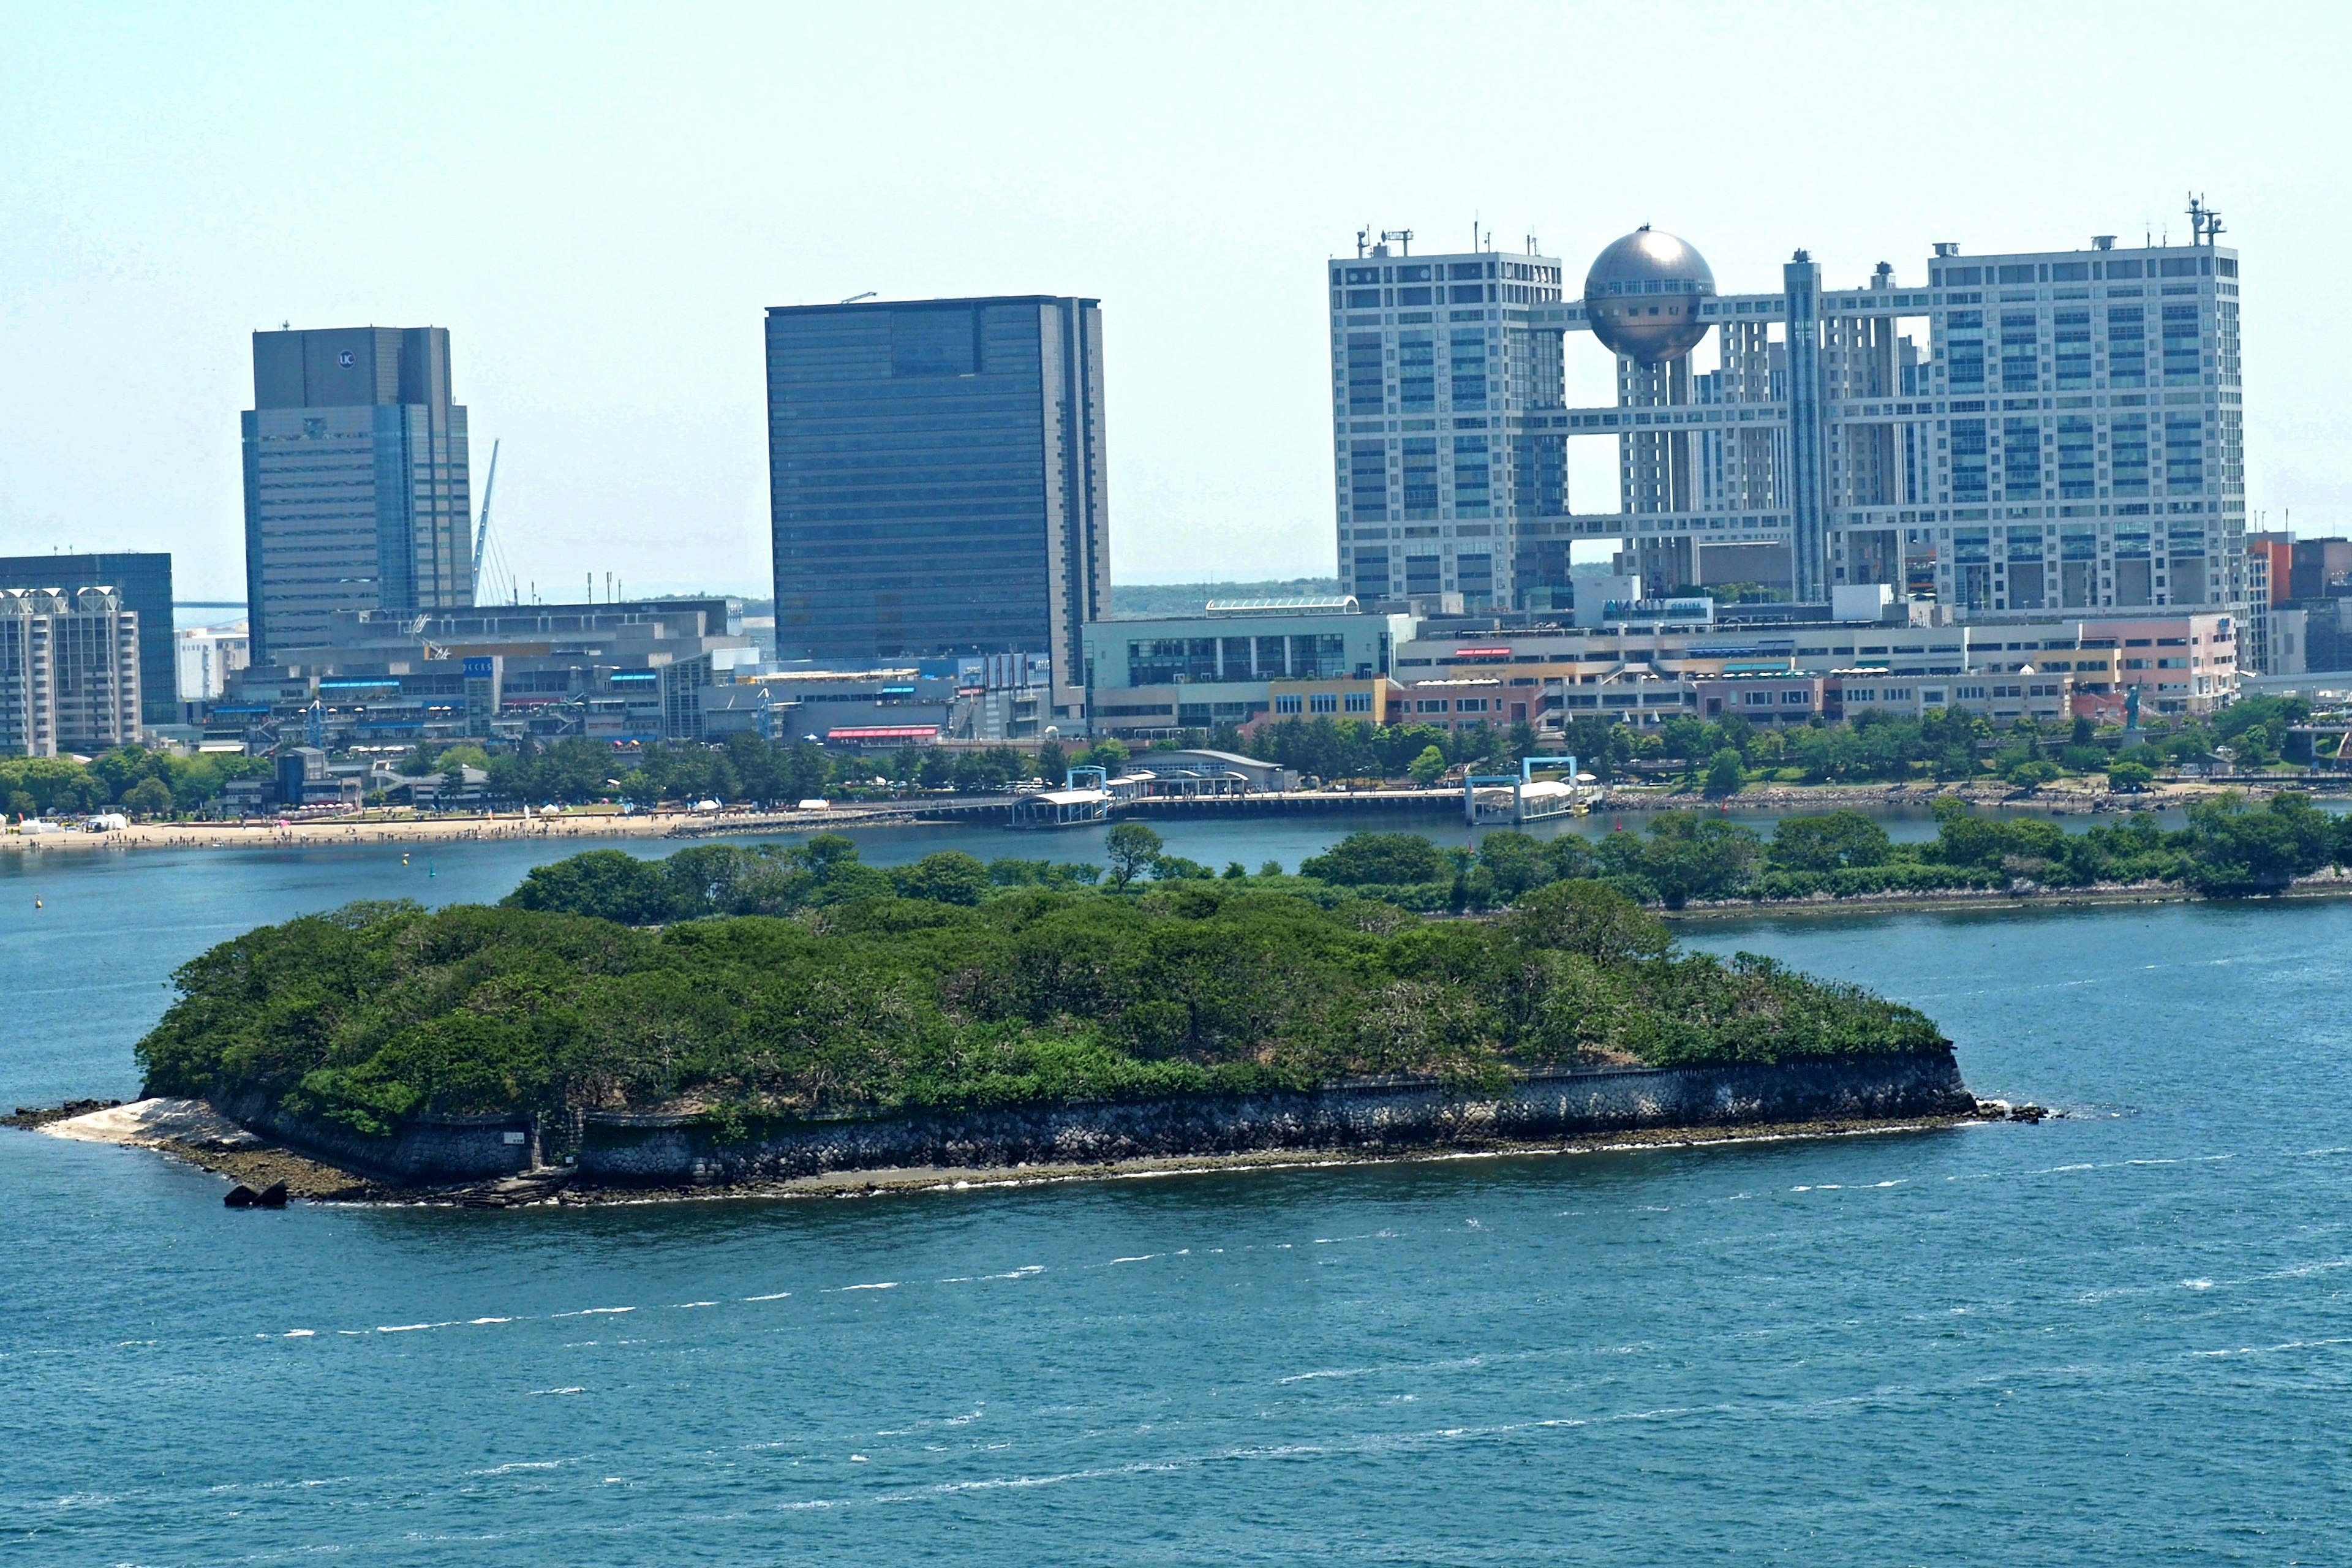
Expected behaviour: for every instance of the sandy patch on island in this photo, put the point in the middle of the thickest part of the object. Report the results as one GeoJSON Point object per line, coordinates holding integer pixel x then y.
{"type": "Point", "coordinates": [152, 1124]}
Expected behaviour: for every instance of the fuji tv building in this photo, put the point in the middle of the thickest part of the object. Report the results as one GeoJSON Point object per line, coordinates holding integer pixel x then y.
{"type": "Point", "coordinates": [2048, 434]}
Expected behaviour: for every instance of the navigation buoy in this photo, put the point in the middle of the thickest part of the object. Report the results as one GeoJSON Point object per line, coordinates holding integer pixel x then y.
{"type": "Point", "coordinates": [403, 858]}
{"type": "Point", "coordinates": [36, 903]}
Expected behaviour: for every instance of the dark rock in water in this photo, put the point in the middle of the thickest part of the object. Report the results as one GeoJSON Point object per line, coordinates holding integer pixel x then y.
{"type": "Point", "coordinates": [272, 1197]}
{"type": "Point", "coordinates": [2029, 1112]}
{"type": "Point", "coordinates": [524, 1187]}
{"type": "Point", "coordinates": [241, 1196]}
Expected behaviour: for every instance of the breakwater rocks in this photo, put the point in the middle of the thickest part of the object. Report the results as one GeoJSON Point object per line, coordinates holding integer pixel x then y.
{"type": "Point", "coordinates": [1389, 1115]}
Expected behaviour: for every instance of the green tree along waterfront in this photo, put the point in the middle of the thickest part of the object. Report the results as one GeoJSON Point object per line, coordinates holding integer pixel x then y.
{"type": "Point", "coordinates": [2230, 848]}
{"type": "Point", "coordinates": [149, 784]}
{"type": "Point", "coordinates": [876, 996]}
{"type": "Point", "coordinates": [1718, 757]}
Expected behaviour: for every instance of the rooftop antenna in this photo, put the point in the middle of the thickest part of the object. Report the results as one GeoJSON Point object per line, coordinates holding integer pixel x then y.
{"type": "Point", "coordinates": [1404, 237]}
{"type": "Point", "coordinates": [854, 297]}
{"type": "Point", "coordinates": [2204, 223]}
{"type": "Point", "coordinates": [1363, 241]}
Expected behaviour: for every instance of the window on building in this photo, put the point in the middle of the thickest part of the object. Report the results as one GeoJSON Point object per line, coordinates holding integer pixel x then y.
{"type": "Point", "coordinates": [1473, 476]}
{"type": "Point", "coordinates": [2127, 456]}
{"type": "Point", "coordinates": [1964, 346]}
{"type": "Point", "coordinates": [1416, 370]}
{"type": "Point", "coordinates": [2078, 471]}
{"type": "Point", "coordinates": [2020, 349]}
{"type": "Point", "coordinates": [2183, 359]}
{"type": "Point", "coordinates": [1420, 478]}
{"type": "Point", "coordinates": [1969, 477]}
{"type": "Point", "coordinates": [2184, 455]}
{"type": "Point", "coordinates": [2021, 467]}
{"type": "Point", "coordinates": [2071, 340]}
{"type": "Point", "coordinates": [1368, 480]}
{"type": "Point", "coordinates": [1467, 351]}
{"type": "Point", "coordinates": [1359, 702]}
{"type": "Point", "coordinates": [1366, 374]}
{"type": "Point", "coordinates": [1474, 575]}
{"type": "Point", "coordinates": [1323, 703]}
{"type": "Point", "coordinates": [1318, 655]}
{"type": "Point", "coordinates": [1287, 703]}
{"type": "Point", "coordinates": [2126, 345]}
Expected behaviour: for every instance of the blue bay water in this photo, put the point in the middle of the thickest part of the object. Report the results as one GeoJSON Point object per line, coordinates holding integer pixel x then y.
{"type": "Point", "coordinates": [2119, 1337]}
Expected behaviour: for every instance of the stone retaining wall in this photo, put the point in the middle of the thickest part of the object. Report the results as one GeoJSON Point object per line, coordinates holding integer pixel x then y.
{"type": "Point", "coordinates": [429, 1149]}
{"type": "Point", "coordinates": [1391, 1114]}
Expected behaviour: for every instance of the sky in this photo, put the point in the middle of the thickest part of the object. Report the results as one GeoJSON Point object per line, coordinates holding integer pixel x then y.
{"type": "Point", "coordinates": [600, 203]}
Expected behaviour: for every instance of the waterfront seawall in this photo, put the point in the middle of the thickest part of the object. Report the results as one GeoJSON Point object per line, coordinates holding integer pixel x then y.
{"type": "Point", "coordinates": [1395, 1115]}
{"type": "Point", "coordinates": [425, 1151]}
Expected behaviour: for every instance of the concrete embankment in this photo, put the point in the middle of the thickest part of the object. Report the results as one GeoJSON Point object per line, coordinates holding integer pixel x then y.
{"type": "Point", "coordinates": [1394, 1115]}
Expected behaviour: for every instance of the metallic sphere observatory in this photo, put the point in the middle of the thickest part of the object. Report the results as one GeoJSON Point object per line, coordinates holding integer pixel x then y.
{"type": "Point", "coordinates": [1642, 295]}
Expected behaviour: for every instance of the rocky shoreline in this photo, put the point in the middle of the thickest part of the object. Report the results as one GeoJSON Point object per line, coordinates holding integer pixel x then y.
{"type": "Point", "coordinates": [638, 1159]}
{"type": "Point", "coordinates": [256, 1168]}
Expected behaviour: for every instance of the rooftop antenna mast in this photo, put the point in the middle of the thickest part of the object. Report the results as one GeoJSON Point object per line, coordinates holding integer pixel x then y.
{"type": "Point", "coordinates": [2204, 223]}
{"type": "Point", "coordinates": [854, 297]}
{"type": "Point", "coordinates": [1404, 237]}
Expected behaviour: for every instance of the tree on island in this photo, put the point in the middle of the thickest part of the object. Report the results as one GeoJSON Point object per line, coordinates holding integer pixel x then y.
{"type": "Point", "coordinates": [1428, 767]}
{"type": "Point", "coordinates": [1132, 848]}
{"type": "Point", "coordinates": [1725, 774]}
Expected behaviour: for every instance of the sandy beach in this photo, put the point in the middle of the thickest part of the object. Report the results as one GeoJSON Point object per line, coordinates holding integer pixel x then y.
{"type": "Point", "coordinates": [272, 833]}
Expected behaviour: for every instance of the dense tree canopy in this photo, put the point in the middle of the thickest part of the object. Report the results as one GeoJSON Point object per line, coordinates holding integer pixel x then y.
{"type": "Point", "coordinates": [379, 1012]}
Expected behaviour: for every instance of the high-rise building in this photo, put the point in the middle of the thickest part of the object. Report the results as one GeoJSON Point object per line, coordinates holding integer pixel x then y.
{"type": "Point", "coordinates": [2015, 435]}
{"type": "Point", "coordinates": [936, 480]}
{"type": "Point", "coordinates": [1442, 443]}
{"type": "Point", "coordinates": [142, 579]}
{"type": "Point", "coordinates": [357, 495]}
{"type": "Point", "coordinates": [69, 671]}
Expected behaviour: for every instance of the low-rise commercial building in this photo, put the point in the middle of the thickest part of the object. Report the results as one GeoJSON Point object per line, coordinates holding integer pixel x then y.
{"type": "Point", "coordinates": [2181, 665]}
{"type": "Point", "coordinates": [630, 671]}
{"type": "Point", "coordinates": [1149, 678]}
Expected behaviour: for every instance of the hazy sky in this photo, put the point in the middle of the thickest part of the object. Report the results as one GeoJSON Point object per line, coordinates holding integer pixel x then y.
{"type": "Point", "coordinates": [599, 203]}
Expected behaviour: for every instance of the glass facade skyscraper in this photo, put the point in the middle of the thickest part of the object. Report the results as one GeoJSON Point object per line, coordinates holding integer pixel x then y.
{"type": "Point", "coordinates": [357, 494]}
{"type": "Point", "coordinates": [936, 480]}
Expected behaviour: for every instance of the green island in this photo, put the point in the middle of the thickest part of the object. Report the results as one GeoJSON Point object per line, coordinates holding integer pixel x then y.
{"type": "Point", "coordinates": [791, 981]}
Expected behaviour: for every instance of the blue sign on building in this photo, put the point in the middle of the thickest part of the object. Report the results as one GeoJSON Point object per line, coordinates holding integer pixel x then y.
{"type": "Point", "coordinates": [477, 669]}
